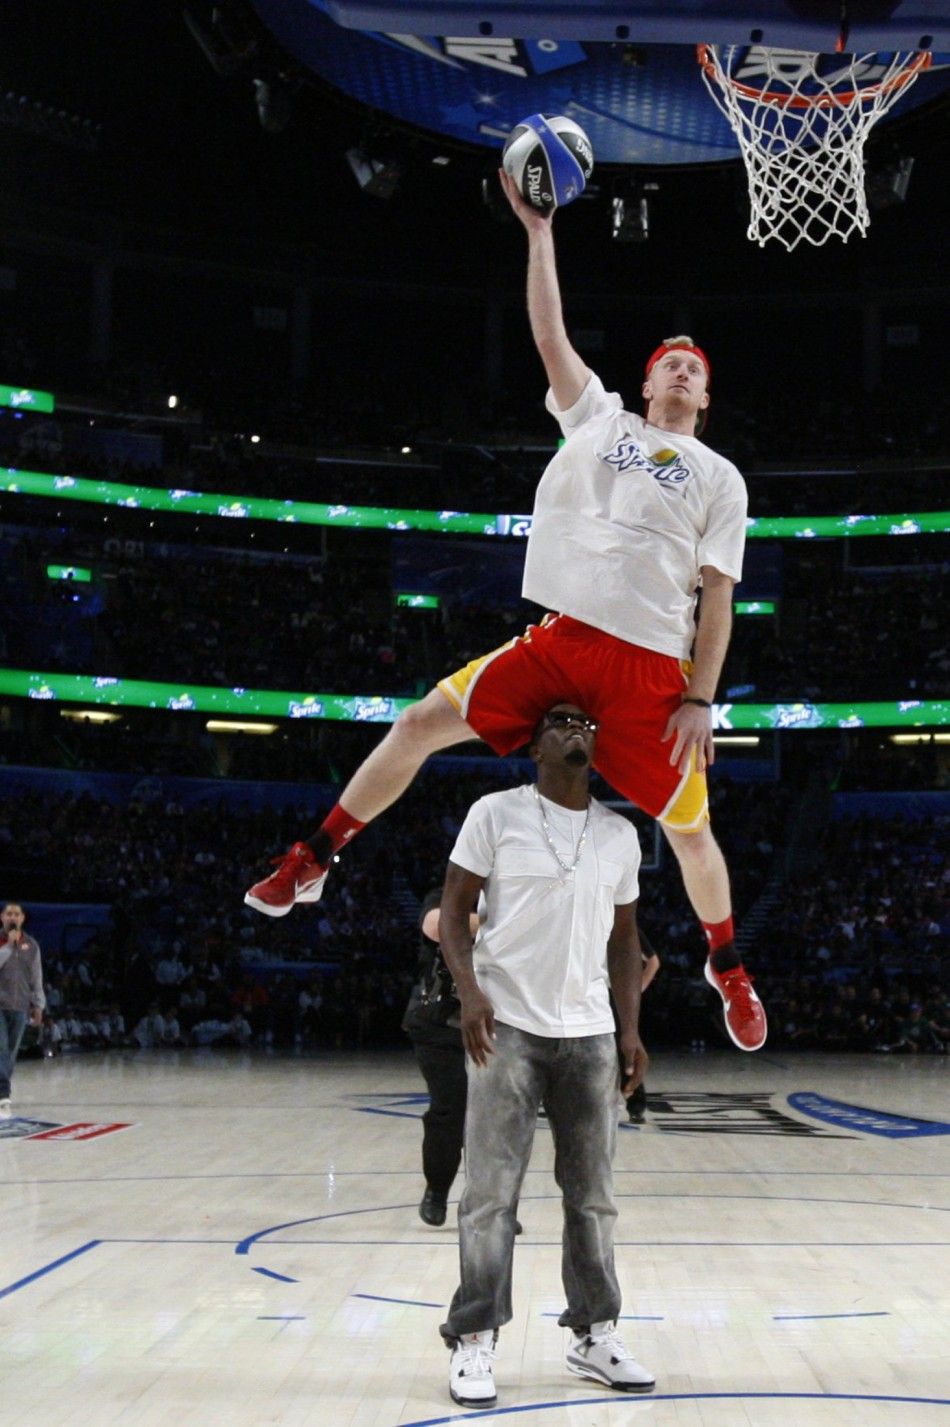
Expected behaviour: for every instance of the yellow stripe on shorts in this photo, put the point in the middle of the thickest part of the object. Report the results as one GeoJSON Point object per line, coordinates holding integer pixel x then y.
{"type": "Point", "coordinates": [688, 809]}
{"type": "Point", "coordinates": [458, 687]}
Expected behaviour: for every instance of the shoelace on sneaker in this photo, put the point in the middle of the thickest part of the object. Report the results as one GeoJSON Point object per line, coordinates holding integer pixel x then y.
{"type": "Point", "coordinates": [735, 980]}
{"type": "Point", "coordinates": [476, 1359]}
{"type": "Point", "coordinates": [612, 1340]}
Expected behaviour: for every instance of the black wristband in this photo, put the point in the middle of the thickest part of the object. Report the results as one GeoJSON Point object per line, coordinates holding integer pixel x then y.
{"type": "Point", "coordinates": [703, 703]}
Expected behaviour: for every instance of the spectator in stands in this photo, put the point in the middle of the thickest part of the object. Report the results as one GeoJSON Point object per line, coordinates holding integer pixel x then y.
{"type": "Point", "coordinates": [149, 1034]}
{"type": "Point", "coordinates": [22, 999]}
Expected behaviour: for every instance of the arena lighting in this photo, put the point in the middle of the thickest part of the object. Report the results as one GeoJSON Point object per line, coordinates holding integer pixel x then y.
{"type": "Point", "coordinates": [379, 708]}
{"type": "Point", "coordinates": [630, 212]}
{"type": "Point", "coordinates": [228, 725]}
{"type": "Point", "coordinates": [90, 715]}
{"type": "Point", "coordinates": [32, 116]}
{"type": "Point", "coordinates": [920, 738]}
{"type": "Point", "coordinates": [735, 740]}
{"type": "Point", "coordinates": [377, 177]}
{"type": "Point", "coordinates": [458, 522]}
{"type": "Point", "coordinates": [274, 102]}
{"type": "Point", "coordinates": [172, 402]}
{"type": "Point", "coordinates": [405, 599]}
{"type": "Point", "coordinates": [76, 574]}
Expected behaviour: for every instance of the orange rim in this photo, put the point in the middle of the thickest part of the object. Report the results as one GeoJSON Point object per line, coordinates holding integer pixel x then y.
{"type": "Point", "coordinates": [920, 62]}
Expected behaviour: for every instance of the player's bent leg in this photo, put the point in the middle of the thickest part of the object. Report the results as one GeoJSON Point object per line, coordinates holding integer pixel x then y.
{"type": "Point", "coordinates": [421, 729]}
{"type": "Point", "coordinates": [706, 879]}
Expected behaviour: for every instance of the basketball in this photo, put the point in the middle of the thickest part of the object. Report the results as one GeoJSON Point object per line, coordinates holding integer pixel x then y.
{"type": "Point", "coordinates": [549, 159]}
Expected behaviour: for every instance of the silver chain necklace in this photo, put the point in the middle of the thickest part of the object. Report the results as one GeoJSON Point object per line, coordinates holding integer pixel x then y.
{"type": "Point", "coordinates": [565, 866]}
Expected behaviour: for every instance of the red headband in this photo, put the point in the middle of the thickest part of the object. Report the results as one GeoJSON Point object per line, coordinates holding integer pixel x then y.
{"type": "Point", "coordinates": [679, 344]}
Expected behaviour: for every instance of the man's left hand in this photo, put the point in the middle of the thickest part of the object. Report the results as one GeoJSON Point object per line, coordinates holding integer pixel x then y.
{"type": "Point", "coordinates": [36, 1016]}
{"type": "Point", "coordinates": [690, 727]}
{"type": "Point", "coordinates": [634, 1061]}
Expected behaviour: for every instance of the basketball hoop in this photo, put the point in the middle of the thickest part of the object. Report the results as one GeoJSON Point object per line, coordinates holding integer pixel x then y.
{"type": "Point", "coordinates": [802, 120]}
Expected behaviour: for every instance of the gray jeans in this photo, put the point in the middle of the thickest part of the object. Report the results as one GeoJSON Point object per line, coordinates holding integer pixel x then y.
{"type": "Point", "coordinates": [577, 1081]}
{"type": "Point", "coordinates": [12, 1026]}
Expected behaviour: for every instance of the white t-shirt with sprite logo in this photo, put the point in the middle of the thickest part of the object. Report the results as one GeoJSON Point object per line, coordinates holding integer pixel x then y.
{"type": "Point", "coordinates": [624, 518]}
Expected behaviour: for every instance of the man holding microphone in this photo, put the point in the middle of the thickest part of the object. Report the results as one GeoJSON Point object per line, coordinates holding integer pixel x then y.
{"type": "Point", "coordinates": [21, 993]}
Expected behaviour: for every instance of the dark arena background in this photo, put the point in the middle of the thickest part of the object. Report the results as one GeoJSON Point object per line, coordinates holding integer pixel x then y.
{"type": "Point", "coordinates": [271, 422]}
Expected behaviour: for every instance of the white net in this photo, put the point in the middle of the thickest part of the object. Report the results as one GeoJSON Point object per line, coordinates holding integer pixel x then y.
{"type": "Point", "coordinates": [801, 121]}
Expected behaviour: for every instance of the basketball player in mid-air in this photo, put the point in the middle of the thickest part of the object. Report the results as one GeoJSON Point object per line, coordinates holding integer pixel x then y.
{"type": "Point", "coordinates": [632, 515]}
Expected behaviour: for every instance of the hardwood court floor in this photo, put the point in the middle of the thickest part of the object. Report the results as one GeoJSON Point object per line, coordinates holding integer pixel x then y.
{"type": "Point", "coordinates": [248, 1251]}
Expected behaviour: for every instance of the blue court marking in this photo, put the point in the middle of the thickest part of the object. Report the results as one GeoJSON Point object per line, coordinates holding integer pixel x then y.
{"type": "Point", "coordinates": [624, 1317]}
{"type": "Point", "coordinates": [451, 1242]}
{"type": "Point", "coordinates": [803, 1317]}
{"type": "Point", "coordinates": [392, 1173]}
{"type": "Point", "coordinates": [409, 1302]}
{"type": "Point", "coordinates": [859, 1117]}
{"type": "Point", "coordinates": [643, 1399]}
{"type": "Point", "coordinates": [244, 1246]}
{"type": "Point", "coordinates": [396, 1114]}
{"type": "Point", "coordinates": [48, 1268]}
{"type": "Point", "coordinates": [398, 1097]}
{"type": "Point", "coordinates": [281, 1277]}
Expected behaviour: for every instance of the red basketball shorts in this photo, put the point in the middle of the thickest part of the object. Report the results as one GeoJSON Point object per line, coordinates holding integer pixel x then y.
{"type": "Point", "coordinates": [631, 692]}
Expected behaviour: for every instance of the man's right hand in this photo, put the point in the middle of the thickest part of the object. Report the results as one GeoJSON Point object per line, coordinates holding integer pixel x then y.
{"type": "Point", "coordinates": [478, 1027]}
{"type": "Point", "coordinates": [532, 220]}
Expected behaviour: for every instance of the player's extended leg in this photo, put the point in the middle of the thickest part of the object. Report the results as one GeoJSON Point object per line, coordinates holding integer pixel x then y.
{"type": "Point", "coordinates": [706, 879]}
{"type": "Point", "coordinates": [421, 729]}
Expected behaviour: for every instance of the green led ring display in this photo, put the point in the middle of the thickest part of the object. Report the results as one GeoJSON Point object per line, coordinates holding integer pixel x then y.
{"type": "Point", "coordinates": [458, 522]}
{"type": "Point", "coordinates": [372, 708]}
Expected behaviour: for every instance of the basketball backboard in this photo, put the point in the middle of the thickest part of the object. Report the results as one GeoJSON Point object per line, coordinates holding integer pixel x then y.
{"type": "Point", "coordinates": [798, 24]}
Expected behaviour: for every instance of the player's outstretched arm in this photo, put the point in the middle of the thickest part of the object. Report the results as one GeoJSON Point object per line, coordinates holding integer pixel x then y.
{"type": "Point", "coordinates": [567, 372]}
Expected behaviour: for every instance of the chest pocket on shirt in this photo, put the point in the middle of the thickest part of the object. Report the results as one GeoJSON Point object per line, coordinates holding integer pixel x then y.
{"type": "Point", "coordinates": [524, 862]}
{"type": "Point", "coordinates": [609, 875]}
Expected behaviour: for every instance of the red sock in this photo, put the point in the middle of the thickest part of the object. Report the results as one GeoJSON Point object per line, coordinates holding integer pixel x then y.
{"type": "Point", "coordinates": [718, 933]}
{"type": "Point", "coordinates": [340, 827]}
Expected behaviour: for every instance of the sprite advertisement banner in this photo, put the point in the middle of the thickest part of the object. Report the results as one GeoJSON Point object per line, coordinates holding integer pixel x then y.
{"type": "Point", "coordinates": [23, 398]}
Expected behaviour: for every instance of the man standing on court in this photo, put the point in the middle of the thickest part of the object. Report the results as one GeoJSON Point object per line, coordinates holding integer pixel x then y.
{"type": "Point", "coordinates": [432, 1024]}
{"type": "Point", "coordinates": [631, 517]}
{"type": "Point", "coordinates": [21, 994]}
{"type": "Point", "coordinates": [558, 934]}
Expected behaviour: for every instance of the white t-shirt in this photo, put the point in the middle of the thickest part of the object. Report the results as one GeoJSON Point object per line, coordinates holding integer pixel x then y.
{"type": "Point", "coordinates": [624, 517]}
{"type": "Point", "coordinates": [540, 954]}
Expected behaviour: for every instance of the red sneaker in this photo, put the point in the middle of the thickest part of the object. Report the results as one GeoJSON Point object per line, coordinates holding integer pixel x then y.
{"type": "Point", "coordinates": [743, 1011]}
{"type": "Point", "coordinates": [299, 878]}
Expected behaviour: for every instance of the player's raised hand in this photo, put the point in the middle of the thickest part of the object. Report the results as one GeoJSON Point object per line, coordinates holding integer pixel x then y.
{"type": "Point", "coordinates": [530, 217]}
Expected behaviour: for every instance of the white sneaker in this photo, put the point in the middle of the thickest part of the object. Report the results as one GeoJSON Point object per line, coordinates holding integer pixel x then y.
{"type": "Point", "coordinates": [600, 1354]}
{"type": "Point", "coordinates": [6, 1110]}
{"type": "Point", "coordinates": [471, 1378]}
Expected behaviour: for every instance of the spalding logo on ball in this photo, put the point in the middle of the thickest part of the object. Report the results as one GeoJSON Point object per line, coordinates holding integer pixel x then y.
{"type": "Point", "coordinates": [549, 159]}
